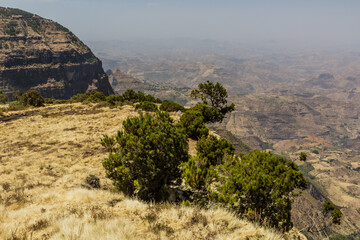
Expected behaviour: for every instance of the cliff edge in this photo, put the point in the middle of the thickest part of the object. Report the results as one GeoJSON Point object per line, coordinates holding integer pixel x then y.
{"type": "Point", "coordinates": [40, 54]}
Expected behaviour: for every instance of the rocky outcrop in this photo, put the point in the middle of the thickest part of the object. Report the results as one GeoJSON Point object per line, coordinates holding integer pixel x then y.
{"type": "Point", "coordinates": [40, 54]}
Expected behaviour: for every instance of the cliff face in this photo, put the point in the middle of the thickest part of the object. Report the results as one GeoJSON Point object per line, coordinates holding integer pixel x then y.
{"type": "Point", "coordinates": [40, 54]}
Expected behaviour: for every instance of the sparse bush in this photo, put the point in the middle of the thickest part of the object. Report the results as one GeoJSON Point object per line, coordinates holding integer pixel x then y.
{"type": "Point", "coordinates": [3, 98]}
{"type": "Point", "coordinates": [193, 123]}
{"type": "Point", "coordinates": [147, 106]}
{"type": "Point", "coordinates": [145, 157]}
{"type": "Point", "coordinates": [303, 156]}
{"type": "Point", "coordinates": [15, 105]}
{"type": "Point", "coordinates": [170, 106]}
{"type": "Point", "coordinates": [49, 100]}
{"type": "Point", "coordinates": [259, 186]}
{"type": "Point", "coordinates": [335, 212]}
{"type": "Point", "coordinates": [60, 101]}
{"type": "Point", "coordinates": [32, 98]}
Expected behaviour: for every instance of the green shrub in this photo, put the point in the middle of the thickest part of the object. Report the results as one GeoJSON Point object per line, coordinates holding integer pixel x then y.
{"type": "Point", "coordinates": [259, 186]}
{"type": "Point", "coordinates": [17, 95]}
{"type": "Point", "coordinates": [145, 157]}
{"type": "Point", "coordinates": [147, 106]}
{"type": "Point", "coordinates": [210, 114]}
{"type": "Point", "coordinates": [92, 96]}
{"type": "Point", "coordinates": [15, 106]}
{"type": "Point", "coordinates": [170, 106]}
{"type": "Point", "coordinates": [60, 101]}
{"type": "Point", "coordinates": [95, 96]}
{"type": "Point", "coordinates": [335, 212]}
{"type": "Point", "coordinates": [32, 98]}
{"type": "Point", "coordinates": [80, 97]}
{"type": "Point", "coordinates": [49, 100]}
{"type": "Point", "coordinates": [113, 99]}
{"type": "Point", "coordinates": [195, 172]}
{"type": "Point", "coordinates": [211, 152]}
{"type": "Point", "coordinates": [303, 156]}
{"type": "Point", "coordinates": [131, 95]}
{"type": "Point", "coordinates": [193, 123]}
{"type": "Point", "coordinates": [3, 98]}
{"type": "Point", "coordinates": [214, 149]}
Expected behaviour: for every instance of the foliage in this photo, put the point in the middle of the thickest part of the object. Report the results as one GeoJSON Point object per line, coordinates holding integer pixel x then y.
{"type": "Point", "coordinates": [213, 149]}
{"type": "Point", "coordinates": [17, 95]}
{"type": "Point", "coordinates": [32, 98]}
{"type": "Point", "coordinates": [10, 28]}
{"type": "Point", "coordinates": [113, 99]}
{"type": "Point", "coordinates": [211, 152]}
{"type": "Point", "coordinates": [335, 212]}
{"type": "Point", "coordinates": [170, 106]}
{"type": "Point", "coordinates": [145, 157]}
{"type": "Point", "coordinates": [210, 114]}
{"type": "Point", "coordinates": [3, 97]}
{"type": "Point", "coordinates": [147, 106]}
{"type": "Point", "coordinates": [92, 96]}
{"type": "Point", "coordinates": [131, 95]}
{"type": "Point", "coordinates": [259, 185]}
{"type": "Point", "coordinates": [214, 95]}
{"type": "Point", "coordinates": [193, 123]}
{"type": "Point", "coordinates": [303, 156]}
{"type": "Point", "coordinates": [49, 101]}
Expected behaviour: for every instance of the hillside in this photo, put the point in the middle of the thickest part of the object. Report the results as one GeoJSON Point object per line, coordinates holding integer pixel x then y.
{"type": "Point", "coordinates": [46, 156]}
{"type": "Point", "coordinates": [40, 54]}
{"type": "Point", "coordinates": [288, 100]}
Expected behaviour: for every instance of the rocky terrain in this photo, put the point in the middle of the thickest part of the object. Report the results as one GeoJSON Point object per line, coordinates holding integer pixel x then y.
{"type": "Point", "coordinates": [37, 53]}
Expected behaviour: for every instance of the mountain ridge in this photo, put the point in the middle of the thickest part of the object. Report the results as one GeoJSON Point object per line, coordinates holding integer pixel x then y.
{"type": "Point", "coordinates": [40, 54]}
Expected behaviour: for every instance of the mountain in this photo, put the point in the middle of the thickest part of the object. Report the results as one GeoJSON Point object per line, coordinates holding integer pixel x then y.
{"type": "Point", "coordinates": [40, 54]}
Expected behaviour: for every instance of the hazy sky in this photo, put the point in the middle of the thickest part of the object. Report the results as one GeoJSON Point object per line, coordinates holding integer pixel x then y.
{"type": "Point", "coordinates": [306, 21]}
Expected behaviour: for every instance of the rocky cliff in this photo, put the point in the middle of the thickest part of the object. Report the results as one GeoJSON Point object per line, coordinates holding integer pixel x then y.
{"type": "Point", "coordinates": [40, 54]}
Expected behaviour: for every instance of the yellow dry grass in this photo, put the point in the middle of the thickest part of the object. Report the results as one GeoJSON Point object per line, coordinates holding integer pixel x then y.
{"type": "Point", "coordinates": [46, 155]}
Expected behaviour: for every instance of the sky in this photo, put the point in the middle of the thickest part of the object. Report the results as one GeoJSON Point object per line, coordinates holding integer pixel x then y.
{"type": "Point", "coordinates": [331, 22]}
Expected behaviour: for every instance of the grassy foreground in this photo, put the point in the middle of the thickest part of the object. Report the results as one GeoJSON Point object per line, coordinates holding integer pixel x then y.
{"type": "Point", "coordinates": [46, 155]}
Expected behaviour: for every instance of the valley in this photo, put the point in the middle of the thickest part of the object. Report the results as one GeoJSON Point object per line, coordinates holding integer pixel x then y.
{"type": "Point", "coordinates": [289, 102]}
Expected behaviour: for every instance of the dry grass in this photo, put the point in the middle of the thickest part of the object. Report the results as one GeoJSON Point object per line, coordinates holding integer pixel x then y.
{"type": "Point", "coordinates": [45, 158]}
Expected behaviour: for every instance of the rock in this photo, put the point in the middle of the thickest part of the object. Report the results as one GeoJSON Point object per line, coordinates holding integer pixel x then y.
{"type": "Point", "coordinates": [40, 54]}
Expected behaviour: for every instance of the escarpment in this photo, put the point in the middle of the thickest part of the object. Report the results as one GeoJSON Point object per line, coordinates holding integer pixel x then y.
{"type": "Point", "coordinates": [40, 54]}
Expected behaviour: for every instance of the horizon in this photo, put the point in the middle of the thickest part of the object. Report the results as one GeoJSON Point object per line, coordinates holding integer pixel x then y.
{"type": "Point", "coordinates": [320, 23]}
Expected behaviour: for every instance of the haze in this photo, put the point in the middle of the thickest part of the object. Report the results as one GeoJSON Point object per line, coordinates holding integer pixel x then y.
{"type": "Point", "coordinates": [309, 23]}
